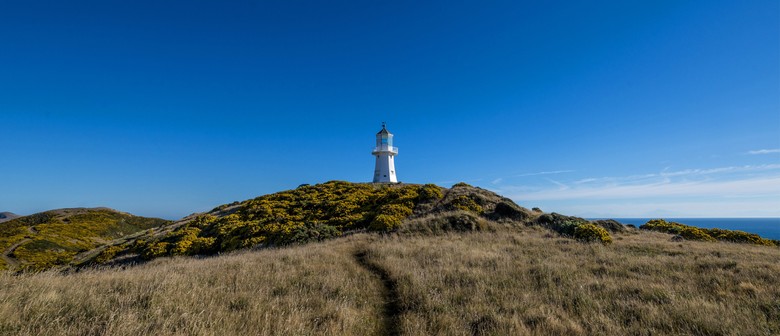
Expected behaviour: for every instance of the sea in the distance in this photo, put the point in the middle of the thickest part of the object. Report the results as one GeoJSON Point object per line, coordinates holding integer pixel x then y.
{"type": "Point", "coordinates": [764, 227]}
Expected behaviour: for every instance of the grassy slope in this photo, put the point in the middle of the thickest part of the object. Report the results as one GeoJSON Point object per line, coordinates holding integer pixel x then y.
{"type": "Point", "coordinates": [315, 289]}
{"type": "Point", "coordinates": [55, 237]}
{"type": "Point", "coordinates": [530, 283]}
{"type": "Point", "coordinates": [522, 281]}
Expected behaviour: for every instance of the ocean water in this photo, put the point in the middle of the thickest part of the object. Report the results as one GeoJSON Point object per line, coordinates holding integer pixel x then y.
{"type": "Point", "coordinates": [764, 227]}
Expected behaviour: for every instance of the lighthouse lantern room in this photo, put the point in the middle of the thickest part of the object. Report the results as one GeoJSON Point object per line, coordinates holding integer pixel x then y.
{"type": "Point", "coordinates": [384, 171]}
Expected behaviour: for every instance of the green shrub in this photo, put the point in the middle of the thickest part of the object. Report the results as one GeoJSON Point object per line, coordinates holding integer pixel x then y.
{"type": "Point", "coordinates": [466, 221]}
{"type": "Point", "coordinates": [575, 227]}
{"type": "Point", "coordinates": [661, 225]}
{"type": "Point", "coordinates": [312, 232]}
{"type": "Point", "coordinates": [396, 210]}
{"type": "Point", "coordinates": [694, 233]}
{"type": "Point", "coordinates": [430, 193]}
{"type": "Point", "coordinates": [203, 221]}
{"type": "Point", "coordinates": [564, 225]}
{"type": "Point", "coordinates": [507, 209]}
{"type": "Point", "coordinates": [465, 203]}
{"type": "Point", "coordinates": [108, 254]}
{"type": "Point", "coordinates": [155, 250]}
{"type": "Point", "coordinates": [592, 233]}
{"type": "Point", "coordinates": [461, 184]}
{"type": "Point", "coordinates": [384, 223]}
{"type": "Point", "coordinates": [610, 224]}
{"type": "Point", "coordinates": [737, 236]}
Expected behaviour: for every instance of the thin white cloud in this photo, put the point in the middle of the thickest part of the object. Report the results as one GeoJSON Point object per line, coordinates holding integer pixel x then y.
{"type": "Point", "coordinates": [680, 173]}
{"type": "Point", "coordinates": [661, 188]}
{"type": "Point", "coordinates": [544, 173]}
{"type": "Point", "coordinates": [741, 191]}
{"type": "Point", "coordinates": [497, 181]}
{"type": "Point", "coordinates": [749, 181]}
{"type": "Point", "coordinates": [764, 151]}
{"type": "Point", "coordinates": [561, 186]}
{"type": "Point", "coordinates": [661, 208]}
{"type": "Point", "coordinates": [615, 179]}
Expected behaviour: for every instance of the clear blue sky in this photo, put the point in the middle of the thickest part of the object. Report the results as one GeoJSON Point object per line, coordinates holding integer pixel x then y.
{"type": "Point", "coordinates": [590, 108]}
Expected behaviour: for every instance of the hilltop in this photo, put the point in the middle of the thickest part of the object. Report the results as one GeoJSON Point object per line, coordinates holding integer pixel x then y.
{"type": "Point", "coordinates": [6, 216]}
{"type": "Point", "coordinates": [333, 209]}
{"type": "Point", "coordinates": [43, 240]}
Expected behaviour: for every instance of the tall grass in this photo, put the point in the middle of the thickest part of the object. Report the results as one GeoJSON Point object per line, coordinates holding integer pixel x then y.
{"type": "Point", "coordinates": [316, 289]}
{"type": "Point", "coordinates": [511, 281]}
{"type": "Point", "coordinates": [533, 283]}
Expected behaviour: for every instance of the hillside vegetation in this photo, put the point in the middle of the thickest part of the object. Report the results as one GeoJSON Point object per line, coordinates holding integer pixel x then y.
{"type": "Point", "coordinates": [694, 233]}
{"type": "Point", "coordinates": [52, 238]}
{"type": "Point", "coordinates": [309, 213]}
{"type": "Point", "coordinates": [333, 209]}
{"type": "Point", "coordinates": [499, 281]}
{"type": "Point", "coordinates": [343, 258]}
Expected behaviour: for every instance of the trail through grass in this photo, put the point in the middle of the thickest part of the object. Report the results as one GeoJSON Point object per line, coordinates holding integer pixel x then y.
{"type": "Point", "coordinates": [392, 306]}
{"type": "Point", "coordinates": [11, 262]}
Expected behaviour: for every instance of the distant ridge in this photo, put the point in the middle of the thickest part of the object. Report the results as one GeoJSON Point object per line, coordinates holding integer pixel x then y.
{"type": "Point", "coordinates": [6, 216]}
{"type": "Point", "coordinates": [46, 239]}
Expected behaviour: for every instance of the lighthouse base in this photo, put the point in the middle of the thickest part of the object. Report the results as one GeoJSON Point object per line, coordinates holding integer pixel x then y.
{"type": "Point", "coordinates": [384, 171]}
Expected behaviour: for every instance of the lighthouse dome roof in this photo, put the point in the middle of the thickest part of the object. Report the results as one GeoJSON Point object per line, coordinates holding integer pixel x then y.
{"type": "Point", "coordinates": [384, 130]}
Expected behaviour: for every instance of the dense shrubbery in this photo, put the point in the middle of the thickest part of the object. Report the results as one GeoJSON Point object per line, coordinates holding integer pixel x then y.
{"type": "Point", "coordinates": [107, 254]}
{"type": "Point", "coordinates": [465, 221]}
{"type": "Point", "coordinates": [430, 192]}
{"type": "Point", "coordinates": [687, 232]}
{"type": "Point", "coordinates": [694, 233]}
{"type": "Point", "coordinates": [610, 225]}
{"type": "Point", "coordinates": [155, 250]}
{"type": "Point", "coordinates": [592, 233]}
{"type": "Point", "coordinates": [307, 213]}
{"type": "Point", "coordinates": [739, 237]}
{"type": "Point", "coordinates": [510, 210]}
{"type": "Point", "coordinates": [466, 203]}
{"type": "Point", "coordinates": [575, 227]}
{"type": "Point", "coordinates": [458, 220]}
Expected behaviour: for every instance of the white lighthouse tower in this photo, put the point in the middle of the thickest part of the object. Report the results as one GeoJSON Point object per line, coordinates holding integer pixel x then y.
{"type": "Point", "coordinates": [385, 153]}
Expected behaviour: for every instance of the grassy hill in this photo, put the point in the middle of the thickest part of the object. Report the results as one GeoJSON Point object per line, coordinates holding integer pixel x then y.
{"type": "Point", "coordinates": [343, 258]}
{"type": "Point", "coordinates": [52, 238]}
{"type": "Point", "coordinates": [337, 208]}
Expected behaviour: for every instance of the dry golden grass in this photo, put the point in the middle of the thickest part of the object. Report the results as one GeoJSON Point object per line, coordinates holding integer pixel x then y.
{"type": "Point", "coordinates": [310, 290]}
{"type": "Point", "coordinates": [532, 283]}
{"type": "Point", "coordinates": [518, 281]}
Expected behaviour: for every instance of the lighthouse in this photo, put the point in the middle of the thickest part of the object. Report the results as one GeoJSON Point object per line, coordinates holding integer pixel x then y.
{"type": "Point", "coordinates": [385, 153]}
